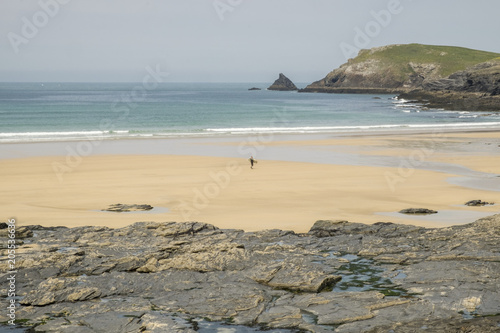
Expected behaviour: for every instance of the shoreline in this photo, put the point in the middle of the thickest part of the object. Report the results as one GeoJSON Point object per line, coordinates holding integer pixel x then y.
{"type": "Point", "coordinates": [301, 179]}
{"type": "Point", "coordinates": [264, 137]}
{"type": "Point", "coordinates": [341, 131]}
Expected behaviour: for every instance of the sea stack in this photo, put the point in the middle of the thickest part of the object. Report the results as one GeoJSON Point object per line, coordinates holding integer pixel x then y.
{"type": "Point", "coordinates": [283, 84]}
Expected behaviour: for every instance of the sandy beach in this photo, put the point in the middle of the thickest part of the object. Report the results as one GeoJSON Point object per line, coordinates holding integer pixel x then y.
{"type": "Point", "coordinates": [359, 178]}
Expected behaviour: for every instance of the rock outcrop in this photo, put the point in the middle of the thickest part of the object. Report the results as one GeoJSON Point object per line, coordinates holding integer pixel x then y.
{"type": "Point", "coordinates": [283, 84]}
{"type": "Point", "coordinates": [474, 89]}
{"type": "Point", "coordinates": [421, 211]}
{"type": "Point", "coordinates": [186, 277]}
{"type": "Point", "coordinates": [452, 100]}
{"type": "Point", "coordinates": [484, 77]}
{"type": "Point", "coordinates": [478, 203]}
{"type": "Point", "coordinates": [120, 208]}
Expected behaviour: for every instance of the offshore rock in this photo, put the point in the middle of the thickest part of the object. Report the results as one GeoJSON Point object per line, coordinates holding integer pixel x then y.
{"type": "Point", "coordinates": [338, 277]}
{"type": "Point", "coordinates": [283, 84]}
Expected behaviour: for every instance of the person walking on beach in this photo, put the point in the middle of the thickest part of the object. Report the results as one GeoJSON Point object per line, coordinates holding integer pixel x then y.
{"type": "Point", "coordinates": [251, 162]}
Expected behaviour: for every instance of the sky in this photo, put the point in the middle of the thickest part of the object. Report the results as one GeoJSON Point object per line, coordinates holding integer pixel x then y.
{"type": "Point", "coordinates": [222, 40]}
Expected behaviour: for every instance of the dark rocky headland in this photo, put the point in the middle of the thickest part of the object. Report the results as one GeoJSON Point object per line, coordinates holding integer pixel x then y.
{"type": "Point", "coordinates": [445, 77]}
{"type": "Point", "coordinates": [474, 89]}
{"type": "Point", "coordinates": [182, 277]}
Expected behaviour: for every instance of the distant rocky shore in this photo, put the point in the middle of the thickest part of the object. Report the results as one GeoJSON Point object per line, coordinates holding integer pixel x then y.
{"type": "Point", "coordinates": [474, 89]}
{"type": "Point", "coordinates": [188, 277]}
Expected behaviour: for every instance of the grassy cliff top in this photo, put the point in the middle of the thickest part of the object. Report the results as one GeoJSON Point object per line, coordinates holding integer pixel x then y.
{"type": "Point", "coordinates": [449, 59]}
{"type": "Point", "coordinates": [404, 67]}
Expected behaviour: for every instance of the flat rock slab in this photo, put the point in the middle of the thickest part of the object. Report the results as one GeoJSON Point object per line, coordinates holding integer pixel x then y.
{"type": "Point", "coordinates": [478, 203]}
{"type": "Point", "coordinates": [119, 208]}
{"type": "Point", "coordinates": [422, 211]}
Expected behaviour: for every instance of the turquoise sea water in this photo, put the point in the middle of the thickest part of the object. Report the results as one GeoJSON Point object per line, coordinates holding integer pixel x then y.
{"type": "Point", "coordinates": [67, 111]}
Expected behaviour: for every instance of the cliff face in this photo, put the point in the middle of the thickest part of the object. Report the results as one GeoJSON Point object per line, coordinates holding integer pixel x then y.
{"type": "Point", "coordinates": [474, 89]}
{"type": "Point", "coordinates": [398, 68]}
{"type": "Point", "coordinates": [283, 84]}
{"type": "Point", "coordinates": [484, 77]}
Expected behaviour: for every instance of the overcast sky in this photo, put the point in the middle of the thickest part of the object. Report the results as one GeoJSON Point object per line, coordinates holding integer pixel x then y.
{"type": "Point", "coordinates": [223, 40]}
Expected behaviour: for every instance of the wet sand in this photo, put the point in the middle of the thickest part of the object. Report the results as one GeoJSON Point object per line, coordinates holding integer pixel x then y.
{"type": "Point", "coordinates": [297, 181]}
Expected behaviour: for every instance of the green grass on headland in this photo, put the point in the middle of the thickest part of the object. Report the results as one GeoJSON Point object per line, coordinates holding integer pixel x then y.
{"type": "Point", "coordinates": [450, 59]}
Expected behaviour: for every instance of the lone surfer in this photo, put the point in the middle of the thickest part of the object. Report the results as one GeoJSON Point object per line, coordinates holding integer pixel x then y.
{"type": "Point", "coordinates": [251, 162]}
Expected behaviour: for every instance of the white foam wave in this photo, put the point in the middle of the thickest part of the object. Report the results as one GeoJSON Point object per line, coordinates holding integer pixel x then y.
{"type": "Point", "coordinates": [334, 128]}
{"type": "Point", "coordinates": [320, 129]}
{"type": "Point", "coordinates": [460, 125]}
{"type": "Point", "coordinates": [47, 134]}
{"type": "Point", "coordinates": [123, 134]}
{"type": "Point", "coordinates": [61, 136]}
{"type": "Point", "coordinates": [237, 130]}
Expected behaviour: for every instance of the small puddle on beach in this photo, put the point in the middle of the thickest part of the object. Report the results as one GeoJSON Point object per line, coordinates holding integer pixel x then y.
{"type": "Point", "coordinates": [202, 325]}
{"type": "Point", "coordinates": [13, 329]}
{"type": "Point", "coordinates": [362, 274]}
{"type": "Point", "coordinates": [66, 249]}
{"type": "Point", "coordinates": [199, 325]}
{"type": "Point", "coordinates": [217, 327]}
{"type": "Point", "coordinates": [443, 217]}
{"type": "Point", "coordinates": [487, 182]}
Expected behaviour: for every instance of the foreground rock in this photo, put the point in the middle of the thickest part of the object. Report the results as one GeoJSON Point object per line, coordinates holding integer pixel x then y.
{"type": "Point", "coordinates": [283, 84]}
{"type": "Point", "coordinates": [187, 277]}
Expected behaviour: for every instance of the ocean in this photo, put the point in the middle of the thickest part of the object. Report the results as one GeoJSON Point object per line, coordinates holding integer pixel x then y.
{"type": "Point", "coordinates": [32, 112]}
